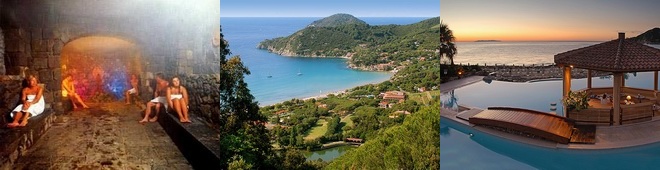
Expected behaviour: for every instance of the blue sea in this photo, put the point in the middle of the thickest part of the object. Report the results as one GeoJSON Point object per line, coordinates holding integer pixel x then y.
{"type": "Point", "coordinates": [317, 75]}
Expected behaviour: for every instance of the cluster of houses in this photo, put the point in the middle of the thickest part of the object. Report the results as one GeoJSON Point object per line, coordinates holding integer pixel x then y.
{"type": "Point", "coordinates": [390, 98]}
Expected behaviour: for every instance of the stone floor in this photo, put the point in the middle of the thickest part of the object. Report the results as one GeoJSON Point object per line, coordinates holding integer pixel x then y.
{"type": "Point", "coordinates": [106, 136]}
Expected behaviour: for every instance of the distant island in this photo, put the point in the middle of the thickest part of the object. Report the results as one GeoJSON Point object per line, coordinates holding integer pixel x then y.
{"type": "Point", "coordinates": [488, 41]}
{"type": "Point", "coordinates": [651, 36]}
{"type": "Point", "coordinates": [372, 48]}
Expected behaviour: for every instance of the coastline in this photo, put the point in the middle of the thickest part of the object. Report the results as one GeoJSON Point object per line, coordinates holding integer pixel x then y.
{"type": "Point", "coordinates": [530, 73]}
{"type": "Point", "coordinates": [325, 94]}
{"type": "Point", "coordinates": [347, 57]}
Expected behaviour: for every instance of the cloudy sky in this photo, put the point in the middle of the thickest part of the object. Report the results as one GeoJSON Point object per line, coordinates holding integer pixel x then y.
{"type": "Point", "coordinates": [541, 20]}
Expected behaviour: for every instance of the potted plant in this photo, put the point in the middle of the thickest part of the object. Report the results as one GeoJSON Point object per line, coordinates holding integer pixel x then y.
{"type": "Point", "coordinates": [576, 101]}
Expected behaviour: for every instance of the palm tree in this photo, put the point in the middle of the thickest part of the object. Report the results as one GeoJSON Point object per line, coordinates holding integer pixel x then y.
{"type": "Point", "coordinates": [447, 46]}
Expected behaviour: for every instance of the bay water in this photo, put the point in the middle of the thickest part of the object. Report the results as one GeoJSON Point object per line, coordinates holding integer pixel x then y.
{"type": "Point", "coordinates": [276, 78]}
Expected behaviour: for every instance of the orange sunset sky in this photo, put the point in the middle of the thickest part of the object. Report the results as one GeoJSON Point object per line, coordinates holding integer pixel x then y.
{"type": "Point", "coordinates": [536, 20]}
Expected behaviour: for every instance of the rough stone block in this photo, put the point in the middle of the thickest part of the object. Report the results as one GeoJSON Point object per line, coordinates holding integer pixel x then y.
{"type": "Point", "coordinates": [54, 85]}
{"type": "Point", "coordinates": [48, 97]}
{"type": "Point", "coordinates": [15, 45]}
{"type": "Point", "coordinates": [22, 59]}
{"type": "Point", "coordinates": [40, 63]}
{"type": "Point", "coordinates": [53, 62]}
{"type": "Point", "coordinates": [57, 74]}
{"type": "Point", "coordinates": [63, 34]}
{"type": "Point", "coordinates": [57, 47]}
{"type": "Point", "coordinates": [42, 45]}
{"type": "Point", "coordinates": [45, 76]}
{"type": "Point", "coordinates": [18, 33]}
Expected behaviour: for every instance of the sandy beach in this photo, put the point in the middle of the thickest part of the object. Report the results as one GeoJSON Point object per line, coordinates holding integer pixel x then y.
{"type": "Point", "coordinates": [323, 95]}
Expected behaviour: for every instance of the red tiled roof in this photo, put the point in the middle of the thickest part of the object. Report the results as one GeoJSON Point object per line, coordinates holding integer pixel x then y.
{"type": "Point", "coordinates": [613, 56]}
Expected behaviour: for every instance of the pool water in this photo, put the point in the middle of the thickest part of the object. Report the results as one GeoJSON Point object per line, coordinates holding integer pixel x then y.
{"type": "Point", "coordinates": [328, 154]}
{"type": "Point", "coordinates": [459, 150]}
{"type": "Point", "coordinates": [535, 96]}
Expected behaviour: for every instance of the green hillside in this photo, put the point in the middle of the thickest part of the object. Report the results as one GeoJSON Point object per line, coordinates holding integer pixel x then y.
{"type": "Point", "coordinates": [412, 145]}
{"type": "Point", "coordinates": [377, 48]}
{"type": "Point", "coordinates": [337, 20]}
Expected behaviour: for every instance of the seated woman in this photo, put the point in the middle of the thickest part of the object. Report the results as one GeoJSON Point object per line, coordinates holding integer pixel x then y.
{"type": "Point", "coordinates": [67, 85]}
{"type": "Point", "coordinates": [134, 88]}
{"type": "Point", "coordinates": [178, 99]}
{"type": "Point", "coordinates": [32, 103]}
{"type": "Point", "coordinates": [159, 98]}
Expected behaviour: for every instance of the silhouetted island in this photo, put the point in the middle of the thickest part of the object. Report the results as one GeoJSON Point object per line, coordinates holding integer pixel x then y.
{"type": "Point", "coordinates": [488, 41]}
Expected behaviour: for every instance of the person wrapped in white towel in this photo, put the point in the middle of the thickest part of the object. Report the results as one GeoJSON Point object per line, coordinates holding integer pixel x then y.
{"type": "Point", "coordinates": [160, 98]}
{"type": "Point", "coordinates": [32, 103]}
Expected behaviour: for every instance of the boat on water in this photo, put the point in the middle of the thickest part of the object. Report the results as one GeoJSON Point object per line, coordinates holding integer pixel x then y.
{"type": "Point", "coordinates": [299, 73]}
{"type": "Point", "coordinates": [269, 76]}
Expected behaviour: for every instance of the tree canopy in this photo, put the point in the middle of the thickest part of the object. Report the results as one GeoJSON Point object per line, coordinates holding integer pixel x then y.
{"type": "Point", "coordinates": [413, 145]}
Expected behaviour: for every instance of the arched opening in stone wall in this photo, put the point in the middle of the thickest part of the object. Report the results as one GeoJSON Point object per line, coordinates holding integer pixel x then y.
{"type": "Point", "coordinates": [100, 66]}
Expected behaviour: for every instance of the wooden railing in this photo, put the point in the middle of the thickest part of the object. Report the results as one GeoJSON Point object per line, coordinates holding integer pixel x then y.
{"type": "Point", "coordinates": [594, 116]}
{"type": "Point", "coordinates": [636, 113]}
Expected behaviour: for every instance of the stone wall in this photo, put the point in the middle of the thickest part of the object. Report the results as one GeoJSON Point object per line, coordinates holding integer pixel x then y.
{"type": "Point", "coordinates": [204, 95]}
{"type": "Point", "coordinates": [3, 70]}
{"type": "Point", "coordinates": [35, 31]}
{"type": "Point", "coordinates": [10, 88]}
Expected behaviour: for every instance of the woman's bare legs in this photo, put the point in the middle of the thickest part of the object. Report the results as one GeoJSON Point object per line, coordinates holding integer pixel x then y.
{"type": "Point", "coordinates": [25, 118]}
{"type": "Point", "coordinates": [73, 101]}
{"type": "Point", "coordinates": [76, 98]}
{"type": "Point", "coordinates": [177, 109]}
{"type": "Point", "coordinates": [17, 117]}
{"type": "Point", "coordinates": [184, 108]}
{"type": "Point", "coordinates": [81, 101]}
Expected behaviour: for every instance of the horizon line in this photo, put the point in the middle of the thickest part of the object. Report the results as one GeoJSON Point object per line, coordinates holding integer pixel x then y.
{"type": "Point", "coordinates": [323, 16]}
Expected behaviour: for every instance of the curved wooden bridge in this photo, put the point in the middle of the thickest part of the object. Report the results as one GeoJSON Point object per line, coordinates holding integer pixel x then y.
{"type": "Point", "coordinates": [552, 127]}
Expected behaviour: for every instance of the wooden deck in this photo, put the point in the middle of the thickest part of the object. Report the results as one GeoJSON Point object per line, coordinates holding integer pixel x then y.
{"type": "Point", "coordinates": [548, 126]}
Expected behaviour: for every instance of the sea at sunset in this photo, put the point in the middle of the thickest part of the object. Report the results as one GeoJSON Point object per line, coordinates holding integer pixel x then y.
{"type": "Point", "coordinates": [318, 75]}
{"type": "Point", "coordinates": [513, 52]}
{"type": "Point", "coordinates": [517, 53]}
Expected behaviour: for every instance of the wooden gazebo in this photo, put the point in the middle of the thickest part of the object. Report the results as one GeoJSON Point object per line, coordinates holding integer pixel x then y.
{"type": "Point", "coordinates": [619, 57]}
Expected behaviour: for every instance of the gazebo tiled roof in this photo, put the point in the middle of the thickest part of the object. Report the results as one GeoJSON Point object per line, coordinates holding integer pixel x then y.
{"type": "Point", "coordinates": [620, 55]}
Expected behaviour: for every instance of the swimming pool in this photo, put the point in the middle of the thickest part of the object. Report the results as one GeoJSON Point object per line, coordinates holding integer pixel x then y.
{"type": "Point", "coordinates": [458, 150]}
{"type": "Point", "coordinates": [536, 96]}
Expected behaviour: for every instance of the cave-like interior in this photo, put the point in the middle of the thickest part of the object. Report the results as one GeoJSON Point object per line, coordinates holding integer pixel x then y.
{"type": "Point", "coordinates": [100, 66]}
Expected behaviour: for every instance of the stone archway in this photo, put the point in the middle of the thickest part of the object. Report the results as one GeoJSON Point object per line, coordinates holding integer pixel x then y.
{"type": "Point", "coordinates": [101, 66]}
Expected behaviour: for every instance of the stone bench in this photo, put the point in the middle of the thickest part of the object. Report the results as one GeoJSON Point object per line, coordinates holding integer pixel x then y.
{"type": "Point", "coordinates": [197, 142]}
{"type": "Point", "coordinates": [14, 142]}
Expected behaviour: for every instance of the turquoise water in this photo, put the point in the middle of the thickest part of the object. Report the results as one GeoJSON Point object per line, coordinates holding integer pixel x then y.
{"type": "Point", "coordinates": [318, 75]}
{"type": "Point", "coordinates": [458, 150]}
{"type": "Point", "coordinates": [328, 154]}
{"type": "Point", "coordinates": [535, 96]}
{"type": "Point", "coordinates": [482, 151]}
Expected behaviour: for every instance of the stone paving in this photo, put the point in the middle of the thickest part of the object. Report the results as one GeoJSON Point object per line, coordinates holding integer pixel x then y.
{"type": "Point", "coordinates": [106, 136]}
